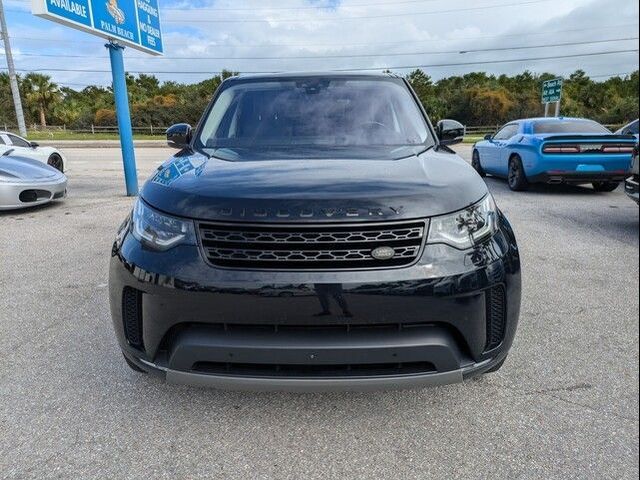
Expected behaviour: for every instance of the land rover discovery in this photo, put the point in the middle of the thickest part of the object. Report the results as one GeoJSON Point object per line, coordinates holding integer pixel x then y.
{"type": "Point", "coordinates": [315, 232]}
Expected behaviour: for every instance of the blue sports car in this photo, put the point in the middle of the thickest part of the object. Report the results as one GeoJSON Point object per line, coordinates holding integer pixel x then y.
{"type": "Point", "coordinates": [555, 150]}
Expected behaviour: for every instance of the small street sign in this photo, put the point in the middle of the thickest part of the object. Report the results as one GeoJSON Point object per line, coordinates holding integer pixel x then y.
{"type": "Point", "coordinates": [552, 90]}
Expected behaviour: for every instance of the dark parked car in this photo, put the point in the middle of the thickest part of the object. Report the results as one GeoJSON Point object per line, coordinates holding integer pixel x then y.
{"type": "Point", "coordinates": [315, 232]}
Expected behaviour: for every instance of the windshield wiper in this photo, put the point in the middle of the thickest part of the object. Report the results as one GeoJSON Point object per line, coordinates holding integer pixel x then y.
{"type": "Point", "coordinates": [414, 153]}
{"type": "Point", "coordinates": [444, 148]}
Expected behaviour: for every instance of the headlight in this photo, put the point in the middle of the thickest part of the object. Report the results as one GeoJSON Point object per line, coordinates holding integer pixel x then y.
{"type": "Point", "coordinates": [159, 231]}
{"type": "Point", "coordinates": [467, 227]}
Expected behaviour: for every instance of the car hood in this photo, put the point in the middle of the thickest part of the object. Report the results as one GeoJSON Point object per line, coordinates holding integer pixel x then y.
{"type": "Point", "coordinates": [428, 184]}
{"type": "Point", "coordinates": [22, 168]}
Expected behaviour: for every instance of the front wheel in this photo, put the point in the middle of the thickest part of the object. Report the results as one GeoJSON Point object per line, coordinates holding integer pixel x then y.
{"type": "Point", "coordinates": [605, 186]}
{"type": "Point", "coordinates": [516, 177]}
{"type": "Point", "coordinates": [475, 163]}
{"type": "Point", "coordinates": [56, 162]}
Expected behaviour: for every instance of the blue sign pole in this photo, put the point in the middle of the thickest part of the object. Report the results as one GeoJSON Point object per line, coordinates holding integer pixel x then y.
{"type": "Point", "coordinates": [124, 118]}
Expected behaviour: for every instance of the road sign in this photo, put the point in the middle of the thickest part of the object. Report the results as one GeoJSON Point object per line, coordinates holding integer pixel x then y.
{"type": "Point", "coordinates": [134, 23]}
{"type": "Point", "coordinates": [552, 90]}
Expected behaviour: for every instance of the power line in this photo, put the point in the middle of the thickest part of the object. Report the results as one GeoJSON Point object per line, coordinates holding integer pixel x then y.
{"type": "Point", "coordinates": [398, 67]}
{"type": "Point", "coordinates": [359, 17]}
{"type": "Point", "coordinates": [364, 55]}
{"type": "Point", "coordinates": [306, 45]}
{"type": "Point", "coordinates": [611, 75]}
{"type": "Point", "coordinates": [336, 18]}
{"type": "Point", "coordinates": [316, 7]}
{"type": "Point", "coordinates": [566, 44]}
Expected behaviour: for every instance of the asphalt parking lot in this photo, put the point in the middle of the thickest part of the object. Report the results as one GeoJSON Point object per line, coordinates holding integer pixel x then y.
{"type": "Point", "coordinates": [565, 405]}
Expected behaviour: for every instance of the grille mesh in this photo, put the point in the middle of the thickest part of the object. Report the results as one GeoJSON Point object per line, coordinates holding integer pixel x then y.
{"type": "Point", "coordinates": [132, 316]}
{"type": "Point", "coordinates": [311, 237]}
{"type": "Point", "coordinates": [496, 316]}
{"type": "Point", "coordinates": [320, 371]}
{"type": "Point", "coordinates": [294, 247]}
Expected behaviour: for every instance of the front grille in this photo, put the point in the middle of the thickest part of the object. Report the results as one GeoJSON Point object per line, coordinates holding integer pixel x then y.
{"type": "Point", "coordinates": [496, 316]}
{"type": "Point", "coordinates": [132, 316]}
{"type": "Point", "coordinates": [310, 247]}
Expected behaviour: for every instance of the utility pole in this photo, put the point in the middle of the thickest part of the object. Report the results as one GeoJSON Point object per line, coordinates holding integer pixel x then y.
{"type": "Point", "coordinates": [13, 81]}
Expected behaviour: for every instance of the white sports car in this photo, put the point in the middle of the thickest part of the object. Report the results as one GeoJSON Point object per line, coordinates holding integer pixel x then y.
{"type": "Point", "coordinates": [25, 182]}
{"type": "Point", "coordinates": [25, 148]}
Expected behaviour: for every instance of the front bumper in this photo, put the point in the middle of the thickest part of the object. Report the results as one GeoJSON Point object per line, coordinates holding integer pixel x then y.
{"type": "Point", "coordinates": [16, 195]}
{"type": "Point", "coordinates": [433, 323]}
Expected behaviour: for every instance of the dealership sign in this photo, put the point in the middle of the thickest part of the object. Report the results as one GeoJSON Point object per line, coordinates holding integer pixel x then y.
{"type": "Point", "coordinates": [134, 23]}
{"type": "Point", "coordinates": [552, 90]}
{"type": "Point", "coordinates": [124, 23]}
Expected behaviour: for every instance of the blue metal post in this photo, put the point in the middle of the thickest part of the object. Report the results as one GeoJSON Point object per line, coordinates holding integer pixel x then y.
{"type": "Point", "coordinates": [124, 118]}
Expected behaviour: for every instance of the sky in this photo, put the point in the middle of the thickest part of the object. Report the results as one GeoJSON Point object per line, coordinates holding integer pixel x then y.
{"type": "Point", "coordinates": [445, 37]}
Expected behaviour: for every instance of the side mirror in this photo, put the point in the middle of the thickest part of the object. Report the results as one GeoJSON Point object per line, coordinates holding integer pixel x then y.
{"type": "Point", "coordinates": [34, 144]}
{"type": "Point", "coordinates": [488, 136]}
{"type": "Point", "coordinates": [179, 135]}
{"type": "Point", "coordinates": [450, 132]}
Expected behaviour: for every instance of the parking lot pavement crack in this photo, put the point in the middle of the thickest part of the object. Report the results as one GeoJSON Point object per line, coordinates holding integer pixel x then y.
{"type": "Point", "coordinates": [569, 388]}
{"type": "Point", "coordinates": [41, 465]}
{"type": "Point", "coordinates": [590, 408]}
{"type": "Point", "coordinates": [552, 393]}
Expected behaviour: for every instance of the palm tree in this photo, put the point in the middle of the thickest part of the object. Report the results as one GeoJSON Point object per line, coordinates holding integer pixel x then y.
{"type": "Point", "coordinates": [41, 94]}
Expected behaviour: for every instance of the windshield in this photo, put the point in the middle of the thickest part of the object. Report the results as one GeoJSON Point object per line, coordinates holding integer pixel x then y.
{"type": "Point", "coordinates": [569, 126]}
{"type": "Point", "coordinates": [315, 118]}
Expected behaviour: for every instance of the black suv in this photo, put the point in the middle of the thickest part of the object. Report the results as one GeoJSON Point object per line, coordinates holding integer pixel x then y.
{"type": "Point", "coordinates": [315, 232]}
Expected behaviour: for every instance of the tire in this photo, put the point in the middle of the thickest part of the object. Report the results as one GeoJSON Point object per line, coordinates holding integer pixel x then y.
{"type": "Point", "coordinates": [132, 365]}
{"type": "Point", "coordinates": [605, 186]}
{"type": "Point", "coordinates": [475, 163]}
{"type": "Point", "coordinates": [56, 162]}
{"type": "Point", "coordinates": [516, 178]}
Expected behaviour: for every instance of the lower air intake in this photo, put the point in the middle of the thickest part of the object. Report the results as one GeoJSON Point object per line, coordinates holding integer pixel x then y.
{"type": "Point", "coordinates": [496, 316]}
{"type": "Point", "coordinates": [132, 316]}
{"type": "Point", "coordinates": [320, 371]}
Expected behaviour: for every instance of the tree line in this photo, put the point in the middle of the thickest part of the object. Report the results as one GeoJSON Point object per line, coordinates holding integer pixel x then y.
{"type": "Point", "coordinates": [474, 99]}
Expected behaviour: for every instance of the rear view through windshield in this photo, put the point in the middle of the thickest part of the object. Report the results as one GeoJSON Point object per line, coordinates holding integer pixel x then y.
{"type": "Point", "coordinates": [315, 114]}
{"type": "Point", "coordinates": [569, 126]}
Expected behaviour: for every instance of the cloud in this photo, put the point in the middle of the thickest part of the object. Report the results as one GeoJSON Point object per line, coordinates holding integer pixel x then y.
{"type": "Point", "coordinates": [241, 36]}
